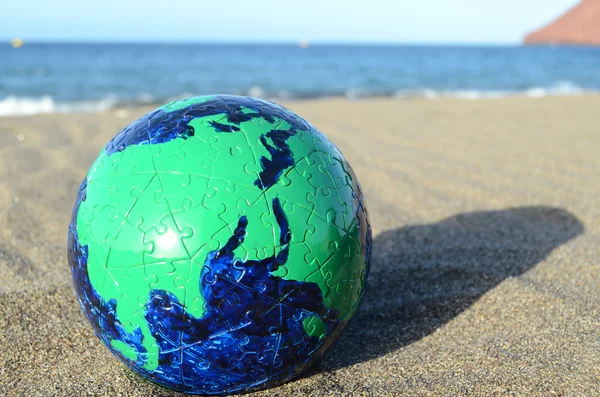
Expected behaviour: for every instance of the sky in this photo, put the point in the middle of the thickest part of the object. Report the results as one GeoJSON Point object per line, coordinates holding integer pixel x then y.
{"type": "Point", "coordinates": [374, 21]}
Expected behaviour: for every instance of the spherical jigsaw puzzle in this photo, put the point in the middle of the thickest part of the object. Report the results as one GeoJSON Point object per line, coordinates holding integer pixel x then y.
{"type": "Point", "coordinates": [219, 244]}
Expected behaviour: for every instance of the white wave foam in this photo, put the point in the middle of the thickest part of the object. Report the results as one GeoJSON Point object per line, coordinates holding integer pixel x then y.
{"type": "Point", "coordinates": [25, 106]}
{"type": "Point", "coordinates": [353, 94]}
{"type": "Point", "coordinates": [145, 97]}
{"type": "Point", "coordinates": [256, 91]}
{"type": "Point", "coordinates": [560, 88]}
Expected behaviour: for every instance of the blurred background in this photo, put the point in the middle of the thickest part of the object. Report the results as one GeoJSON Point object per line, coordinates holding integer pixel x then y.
{"type": "Point", "coordinates": [63, 56]}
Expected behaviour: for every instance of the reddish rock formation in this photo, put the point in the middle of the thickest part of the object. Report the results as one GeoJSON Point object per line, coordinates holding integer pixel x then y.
{"type": "Point", "coordinates": [580, 25]}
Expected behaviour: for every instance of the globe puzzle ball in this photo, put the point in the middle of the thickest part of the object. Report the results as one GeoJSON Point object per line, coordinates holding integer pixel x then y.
{"type": "Point", "coordinates": [219, 244]}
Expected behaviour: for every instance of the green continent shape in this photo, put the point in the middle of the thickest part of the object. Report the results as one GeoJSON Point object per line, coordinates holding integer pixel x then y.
{"type": "Point", "coordinates": [152, 213]}
{"type": "Point", "coordinates": [314, 326]}
{"type": "Point", "coordinates": [125, 349]}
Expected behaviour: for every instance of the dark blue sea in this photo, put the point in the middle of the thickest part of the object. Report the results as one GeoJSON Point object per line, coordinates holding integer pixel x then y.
{"type": "Point", "coordinates": [82, 77]}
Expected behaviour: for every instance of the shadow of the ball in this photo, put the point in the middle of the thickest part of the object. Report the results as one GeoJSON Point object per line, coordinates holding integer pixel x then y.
{"type": "Point", "coordinates": [422, 276]}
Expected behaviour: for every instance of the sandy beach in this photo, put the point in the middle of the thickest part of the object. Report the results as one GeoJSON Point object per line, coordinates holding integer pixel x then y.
{"type": "Point", "coordinates": [485, 277]}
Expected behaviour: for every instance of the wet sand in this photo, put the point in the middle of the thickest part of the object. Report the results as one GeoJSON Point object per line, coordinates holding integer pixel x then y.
{"type": "Point", "coordinates": [486, 262]}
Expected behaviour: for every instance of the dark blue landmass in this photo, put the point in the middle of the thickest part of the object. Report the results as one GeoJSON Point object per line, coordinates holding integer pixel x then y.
{"type": "Point", "coordinates": [100, 312]}
{"type": "Point", "coordinates": [164, 125]}
{"type": "Point", "coordinates": [251, 332]}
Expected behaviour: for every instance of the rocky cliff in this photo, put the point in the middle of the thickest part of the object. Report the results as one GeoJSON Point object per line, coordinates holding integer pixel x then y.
{"type": "Point", "coordinates": [580, 25]}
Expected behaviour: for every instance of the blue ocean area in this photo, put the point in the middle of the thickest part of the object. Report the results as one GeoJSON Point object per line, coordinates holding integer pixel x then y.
{"type": "Point", "coordinates": [55, 77]}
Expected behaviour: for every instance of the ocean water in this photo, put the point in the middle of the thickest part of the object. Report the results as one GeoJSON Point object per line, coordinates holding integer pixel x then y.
{"type": "Point", "coordinates": [38, 78]}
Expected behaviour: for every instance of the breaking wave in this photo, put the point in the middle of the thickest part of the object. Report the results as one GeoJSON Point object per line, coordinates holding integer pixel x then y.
{"type": "Point", "coordinates": [25, 106]}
